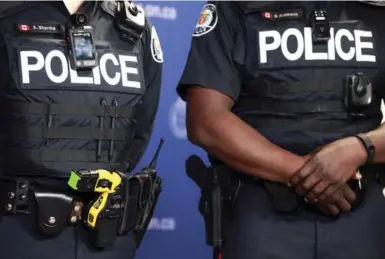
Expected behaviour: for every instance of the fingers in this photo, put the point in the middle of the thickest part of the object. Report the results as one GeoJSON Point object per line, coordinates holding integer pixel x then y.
{"type": "Point", "coordinates": [307, 184]}
{"type": "Point", "coordinates": [338, 201]}
{"type": "Point", "coordinates": [328, 209]}
{"type": "Point", "coordinates": [317, 191]}
{"type": "Point", "coordinates": [341, 202]}
{"type": "Point", "coordinates": [348, 193]}
{"type": "Point", "coordinates": [303, 173]}
{"type": "Point", "coordinates": [345, 190]}
{"type": "Point", "coordinates": [333, 210]}
{"type": "Point", "coordinates": [330, 190]}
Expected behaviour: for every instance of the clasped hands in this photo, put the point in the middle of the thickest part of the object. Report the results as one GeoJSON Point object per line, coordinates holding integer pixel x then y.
{"type": "Point", "coordinates": [322, 180]}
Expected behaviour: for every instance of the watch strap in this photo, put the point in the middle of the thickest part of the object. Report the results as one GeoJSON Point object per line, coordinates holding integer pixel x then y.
{"type": "Point", "coordinates": [369, 147]}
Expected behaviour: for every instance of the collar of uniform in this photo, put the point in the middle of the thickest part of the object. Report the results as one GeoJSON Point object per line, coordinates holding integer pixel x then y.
{"type": "Point", "coordinates": [86, 7]}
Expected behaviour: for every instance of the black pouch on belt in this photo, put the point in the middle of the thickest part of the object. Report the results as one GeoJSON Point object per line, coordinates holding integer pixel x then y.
{"type": "Point", "coordinates": [130, 189]}
{"type": "Point", "coordinates": [51, 211]}
{"type": "Point", "coordinates": [145, 214]}
{"type": "Point", "coordinates": [283, 198]}
{"type": "Point", "coordinates": [141, 194]}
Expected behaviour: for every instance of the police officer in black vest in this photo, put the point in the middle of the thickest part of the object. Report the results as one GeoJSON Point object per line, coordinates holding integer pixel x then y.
{"type": "Point", "coordinates": [288, 95]}
{"type": "Point", "coordinates": [80, 86]}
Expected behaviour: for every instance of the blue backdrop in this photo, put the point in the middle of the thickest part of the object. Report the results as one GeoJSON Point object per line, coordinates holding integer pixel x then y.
{"type": "Point", "coordinates": [177, 228]}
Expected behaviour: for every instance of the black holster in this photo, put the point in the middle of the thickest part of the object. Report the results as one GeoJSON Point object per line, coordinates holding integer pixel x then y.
{"type": "Point", "coordinates": [217, 202]}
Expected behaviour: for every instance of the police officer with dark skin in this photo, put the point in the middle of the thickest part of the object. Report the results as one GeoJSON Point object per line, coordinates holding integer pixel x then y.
{"type": "Point", "coordinates": [57, 117]}
{"type": "Point", "coordinates": [281, 102]}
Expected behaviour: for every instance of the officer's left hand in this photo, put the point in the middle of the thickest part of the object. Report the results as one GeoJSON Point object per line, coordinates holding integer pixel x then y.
{"type": "Point", "coordinates": [329, 168]}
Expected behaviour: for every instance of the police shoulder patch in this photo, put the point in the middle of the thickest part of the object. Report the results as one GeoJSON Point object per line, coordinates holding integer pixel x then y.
{"type": "Point", "coordinates": [156, 48]}
{"type": "Point", "coordinates": [207, 20]}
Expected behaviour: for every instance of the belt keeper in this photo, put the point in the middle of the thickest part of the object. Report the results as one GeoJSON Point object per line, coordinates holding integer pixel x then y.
{"type": "Point", "coordinates": [17, 196]}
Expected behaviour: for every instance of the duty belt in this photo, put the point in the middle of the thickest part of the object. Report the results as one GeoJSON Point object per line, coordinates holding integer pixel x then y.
{"type": "Point", "coordinates": [54, 207]}
{"type": "Point", "coordinates": [22, 196]}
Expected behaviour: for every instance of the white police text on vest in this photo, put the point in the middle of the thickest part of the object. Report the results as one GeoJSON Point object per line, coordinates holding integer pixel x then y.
{"type": "Point", "coordinates": [114, 69]}
{"type": "Point", "coordinates": [361, 42]}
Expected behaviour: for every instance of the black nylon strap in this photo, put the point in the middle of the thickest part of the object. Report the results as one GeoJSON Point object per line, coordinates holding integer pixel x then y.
{"type": "Point", "coordinates": [313, 124]}
{"type": "Point", "coordinates": [75, 133]}
{"type": "Point", "coordinates": [65, 155]}
{"type": "Point", "coordinates": [300, 87]}
{"type": "Point", "coordinates": [279, 106]}
{"type": "Point", "coordinates": [75, 109]}
{"type": "Point", "coordinates": [369, 147]}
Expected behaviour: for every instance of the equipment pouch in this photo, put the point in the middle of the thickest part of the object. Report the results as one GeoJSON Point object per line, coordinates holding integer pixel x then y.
{"type": "Point", "coordinates": [131, 190]}
{"type": "Point", "coordinates": [51, 211]}
{"type": "Point", "coordinates": [154, 191]}
{"type": "Point", "coordinates": [141, 194]}
{"type": "Point", "coordinates": [282, 197]}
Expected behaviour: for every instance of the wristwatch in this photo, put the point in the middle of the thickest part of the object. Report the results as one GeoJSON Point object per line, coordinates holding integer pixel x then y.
{"type": "Point", "coordinates": [368, 145]}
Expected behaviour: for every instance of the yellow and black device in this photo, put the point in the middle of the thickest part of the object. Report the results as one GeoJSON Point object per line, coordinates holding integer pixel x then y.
{"type": "Point", "coordinates": [97, 181]}
{"type": "Point", "coordinates": [104, 211]}
{"type": "Point", "coordinates": [119, 203]}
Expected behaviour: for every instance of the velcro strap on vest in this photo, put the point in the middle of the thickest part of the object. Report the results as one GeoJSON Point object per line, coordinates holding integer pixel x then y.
{"type": "Point", "coordinates": [353, 126]}
{"type": "Point", "coordinates": [73, 109]}
{"type": "Point", "coordinates": [317, 86]}
{"type": "Point", "coordinates": [279, 106]}
{"type": "Point", "coordinates": [66, 155]}
{"type": "Point", "coordinates": [282, 106]}
{"type": "Point", "coordinates": [75, 133]}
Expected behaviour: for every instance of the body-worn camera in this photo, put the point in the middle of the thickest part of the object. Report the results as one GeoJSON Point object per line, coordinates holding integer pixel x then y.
{"type": "Point", "coordinates": [82, 49]}
{"type": "Point", "coordinates": [320, 26]}
{"type": "Point", "coordinates": [131, 20]}
{"type": "Point", "coordinates": [358, 94]}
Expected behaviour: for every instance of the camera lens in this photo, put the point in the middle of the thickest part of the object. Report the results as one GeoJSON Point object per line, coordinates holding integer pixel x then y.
{"type": "Point", "coordinates": [79, 19]}
{"type": "Point", "coordinates": [360, 89]}
{"type": "Point", "coordinates": [133, 10]}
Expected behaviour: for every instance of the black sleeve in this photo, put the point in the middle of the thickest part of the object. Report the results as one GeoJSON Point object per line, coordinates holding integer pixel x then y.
{"type": "Point", "coordinates": [211, 62]}
{"type": "Point", "coordinates": [146, 112]}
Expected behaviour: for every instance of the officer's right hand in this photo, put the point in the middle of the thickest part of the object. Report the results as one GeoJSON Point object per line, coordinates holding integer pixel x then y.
{"type": "Point", "coordinates": [339, 201]}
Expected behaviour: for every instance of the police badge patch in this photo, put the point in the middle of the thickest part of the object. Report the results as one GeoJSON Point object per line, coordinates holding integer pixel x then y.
{"type": "Point", "coordinates": [207, 21]}
{"type": "Point", "coordinates": [156, 49]}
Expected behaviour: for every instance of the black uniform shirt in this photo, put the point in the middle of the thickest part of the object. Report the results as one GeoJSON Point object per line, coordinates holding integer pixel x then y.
{"type": "Point", "coordinates": [285, 86]}
{"type": "Point", "coordinates": [110, 81]}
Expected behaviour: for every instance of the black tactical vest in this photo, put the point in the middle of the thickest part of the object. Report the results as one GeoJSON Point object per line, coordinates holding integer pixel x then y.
{"type": "Point", "coordinates": [293, 89]}
{"type": "Point", "coordinates": [53, 118]}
